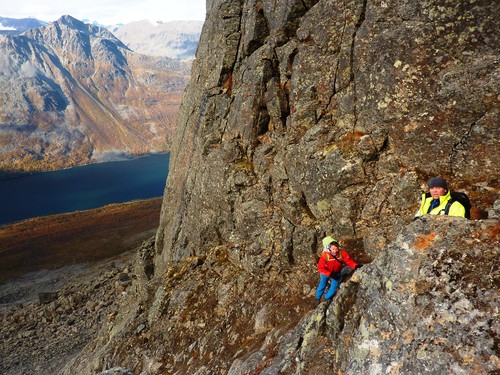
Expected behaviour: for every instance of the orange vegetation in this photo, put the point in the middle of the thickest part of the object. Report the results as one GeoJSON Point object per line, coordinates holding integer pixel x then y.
{"type": "Point", "coordinates": [85, 236]}
{"type": "Point", "coordinates": [424, 241]}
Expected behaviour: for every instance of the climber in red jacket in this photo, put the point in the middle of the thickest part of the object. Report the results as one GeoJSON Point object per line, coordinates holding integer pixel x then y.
{"type": "Point", "coordinates": [334, 264]}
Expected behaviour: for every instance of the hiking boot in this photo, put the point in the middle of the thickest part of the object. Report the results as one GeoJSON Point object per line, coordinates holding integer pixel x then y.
{"type": "Point", "coordinates": [318, 301]}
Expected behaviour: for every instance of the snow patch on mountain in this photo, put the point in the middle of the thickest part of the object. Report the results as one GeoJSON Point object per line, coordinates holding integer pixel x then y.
{"type": "Point", "coordinates": [2, 27]}
{"type": "Point", "coordinates": [13, 26]}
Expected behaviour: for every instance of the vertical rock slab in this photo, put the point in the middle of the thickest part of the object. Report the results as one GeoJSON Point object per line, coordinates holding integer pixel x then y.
{"type": "Point", "coordinates": [329, 117]}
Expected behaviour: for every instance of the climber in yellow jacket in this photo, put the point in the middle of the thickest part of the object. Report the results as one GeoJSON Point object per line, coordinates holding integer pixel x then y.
{"type": "Point", "coordinates": [436, 201]}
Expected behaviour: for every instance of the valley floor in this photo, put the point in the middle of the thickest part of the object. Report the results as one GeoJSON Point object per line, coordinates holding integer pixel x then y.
{"type": "Point", "coordinates": [61, 278]}
{"type": "Point", "coordinates": [51, 242]}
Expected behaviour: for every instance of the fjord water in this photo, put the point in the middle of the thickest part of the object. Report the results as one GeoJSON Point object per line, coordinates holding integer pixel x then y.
{"type": "Point", "coordinates": [82, 188]}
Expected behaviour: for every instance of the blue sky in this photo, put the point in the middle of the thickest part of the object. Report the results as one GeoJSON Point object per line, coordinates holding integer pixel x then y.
{"type": "Point", "coordinates": [106, 12]}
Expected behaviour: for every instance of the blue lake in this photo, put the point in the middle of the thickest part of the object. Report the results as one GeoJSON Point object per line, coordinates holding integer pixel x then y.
{"type": "Point", "coordinates": [82, 188]}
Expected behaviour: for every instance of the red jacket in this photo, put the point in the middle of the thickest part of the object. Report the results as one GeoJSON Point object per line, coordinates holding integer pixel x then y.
{"type": "Point", "coordinates": [328, 264]}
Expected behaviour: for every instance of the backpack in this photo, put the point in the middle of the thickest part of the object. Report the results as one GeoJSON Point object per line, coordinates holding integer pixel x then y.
{"type": "Point", "coordinates": [463, 199]}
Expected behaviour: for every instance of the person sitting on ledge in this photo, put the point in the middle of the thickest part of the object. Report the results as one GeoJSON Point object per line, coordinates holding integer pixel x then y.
{"type": "Point", "coordinates": [436, 201]}
{"type": "Point", "coordinates": [334, 264]}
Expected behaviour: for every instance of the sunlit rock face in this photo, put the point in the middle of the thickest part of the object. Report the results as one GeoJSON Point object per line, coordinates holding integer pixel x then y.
{"type": "Point", "coordinates": [328, 117]}
{"type": "Point", "coordinates": [309, 118]}
{"type": "Point", "coordinates": [71, 93]}
{"type": "Point", "coordinates": [425, 305]}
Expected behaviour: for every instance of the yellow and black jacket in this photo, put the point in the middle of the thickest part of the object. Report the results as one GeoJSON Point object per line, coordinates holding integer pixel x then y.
{"type": "Point", "coordinates": [456, 208]}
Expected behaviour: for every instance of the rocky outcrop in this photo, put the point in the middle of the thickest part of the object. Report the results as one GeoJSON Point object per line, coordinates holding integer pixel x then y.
{"type": "Point", "coordinates": [72, 93]}
{"type": "Point", "coordinates": [426, 305]}
{"type": "Point", "coordinates": [327, 117]}
{"type": "Point", "coordinates": [49, 316]}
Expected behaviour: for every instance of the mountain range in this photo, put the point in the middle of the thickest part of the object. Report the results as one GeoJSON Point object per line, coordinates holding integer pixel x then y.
{"type": "Point", "coordinates": [72, 93]}
{"type": "Point", "coordinates": [175, 39]}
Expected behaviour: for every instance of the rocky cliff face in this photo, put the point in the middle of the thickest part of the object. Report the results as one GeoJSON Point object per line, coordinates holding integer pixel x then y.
{"type": "Point", "coordinates": [72, 93]}
{"type": "Point", "coordinates": [324, 117]}
{"type": "Point", "coordinates": [306, 118]}
{"type": "Point", "coordinates": [427, 305]}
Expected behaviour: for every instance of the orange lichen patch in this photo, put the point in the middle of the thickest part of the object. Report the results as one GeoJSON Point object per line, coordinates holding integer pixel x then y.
{"type": "Point", "coordinates": [494, 232]}
{"type": "Point", "coordinates": [422, 286]}
{"type": "Point", "coordinates": [286, 86]}
{"type": "Point", "coordinates": [227, 86]}
{"type": "Point", "coordinates": [408, 335]}
{"type": "Point", "coordinates": [425, 241]}
{"type": "Point", "coordinates": [349, 141]}
{"type": "Point", "coordinates": [407, 288]}
{"type": "Point", "coordinates": [265, 139]}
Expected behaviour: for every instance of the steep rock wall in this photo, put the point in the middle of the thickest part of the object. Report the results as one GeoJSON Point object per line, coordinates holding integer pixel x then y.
{"type": "Point", "coordinates": [312, 117]}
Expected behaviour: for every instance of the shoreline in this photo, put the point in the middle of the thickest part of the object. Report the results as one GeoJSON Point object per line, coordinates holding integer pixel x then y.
{"type": "Point", "coordinates": [128, 157]}
{"type": "Point", "coordinates": [109, 205]}
{"type": "Point", "coordinates": [83, 187]}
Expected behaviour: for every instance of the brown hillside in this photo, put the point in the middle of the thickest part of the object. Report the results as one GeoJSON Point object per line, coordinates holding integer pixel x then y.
{"type": "Point", "coordinates": [87, 236]}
